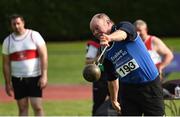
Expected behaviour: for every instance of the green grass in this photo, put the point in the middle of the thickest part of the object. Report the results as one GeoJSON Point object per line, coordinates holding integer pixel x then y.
{"type": "Point", "coordinates": [65, 108]}
{"type": "Point", "coordinates": [66, 61]}
{"type": "Point", "coordinates": [173, 43]}
{"type": "Point", "coordinates": [53, 108]}
{"type": "Point", "coordinates": [172, 107]}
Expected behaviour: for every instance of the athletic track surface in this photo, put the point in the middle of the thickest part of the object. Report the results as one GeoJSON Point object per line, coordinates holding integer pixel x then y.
{"type": "Point", "coordinates": [58, 92]}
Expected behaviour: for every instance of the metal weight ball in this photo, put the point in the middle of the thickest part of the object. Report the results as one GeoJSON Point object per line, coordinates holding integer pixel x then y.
{"type": "Point", "coordinates": [91, 72]}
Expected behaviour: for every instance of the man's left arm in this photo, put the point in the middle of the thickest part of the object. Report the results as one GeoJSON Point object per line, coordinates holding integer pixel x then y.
{"type": "Point", "coordinates": [43, 56]}
{"type": "Point", "coordinates": [113, 84]}
{"type": "Point", "coordinates": [113, 87]}
{"type": "Point", "coordinates": [44, 65]}
{"type": "Point", "coordinates": [163, 51]}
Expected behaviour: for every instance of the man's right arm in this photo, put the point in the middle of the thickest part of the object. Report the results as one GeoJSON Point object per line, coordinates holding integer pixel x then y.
{"type": "Point", "coordinates": [163, 51]}
{"type": "Point", "coordinates": [7, 74]}
{"type": "Point", "coordinates": [113, 84]}
{"type": "Point", "coordinates": [6, 66]}
{"type": "Point", "coordinates": [113, 87]}
{"type": "Point", "coordinates": [124, 31]}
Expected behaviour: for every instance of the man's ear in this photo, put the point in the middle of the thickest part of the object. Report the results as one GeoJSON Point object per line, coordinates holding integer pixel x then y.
{"type": "Point", "coordinates": [108, 22]}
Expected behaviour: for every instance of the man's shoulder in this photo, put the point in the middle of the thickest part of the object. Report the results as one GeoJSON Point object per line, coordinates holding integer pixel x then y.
{"type": "Point", "coordinates": [155, 39]}
{"type": "Point", "coordinates": [34, 31]}
{"type": "Point", "coordinates": [124, 22]}
{"type": "Point", "coordinates": [7, 37]}
{"type": "Point", "coordinates": [35, 34]}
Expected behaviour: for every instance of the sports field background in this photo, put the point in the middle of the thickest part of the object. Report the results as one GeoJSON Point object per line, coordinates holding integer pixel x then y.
{"type": "Point", "coordinates": [66, 61]}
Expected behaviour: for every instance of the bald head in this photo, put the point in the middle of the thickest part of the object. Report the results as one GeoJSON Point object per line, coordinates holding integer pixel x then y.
{"type": "Point", "coordinates": [140, 23]}
{"type": "Point", "coordinates": [100, 23]}
{"type": "Point", "coordinates": [99, 16]}
{"type": "Point", "coordinates": [141, 27]}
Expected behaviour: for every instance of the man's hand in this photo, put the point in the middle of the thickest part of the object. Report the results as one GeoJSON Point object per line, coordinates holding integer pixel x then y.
{"type": "Point", "coordinates": [104, 40]}
{"type": "Point", "coordinates": [160, 69]}
{"type": "Point", "coordinates": [42, 82]}
{"type": "Point", "coordinates": [116, 106]}
{"type": "Point", "coordinates": [9, 89]}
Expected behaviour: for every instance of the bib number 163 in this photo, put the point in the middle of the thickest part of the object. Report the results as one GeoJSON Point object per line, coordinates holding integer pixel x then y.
{"type": "Point", "coordinates": [126, 68]}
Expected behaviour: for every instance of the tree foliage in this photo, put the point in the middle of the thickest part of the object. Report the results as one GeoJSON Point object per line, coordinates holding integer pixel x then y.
{"type": "Point", "coordinates": [69, 19]}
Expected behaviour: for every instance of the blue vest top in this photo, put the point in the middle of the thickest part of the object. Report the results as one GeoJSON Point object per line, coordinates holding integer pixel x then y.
{"type": "Point", "coordinates": [131, 61]}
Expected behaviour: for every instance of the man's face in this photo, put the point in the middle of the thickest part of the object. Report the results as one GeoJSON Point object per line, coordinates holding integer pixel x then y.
{"type": "Point", "coordinates": [17, 25]}
{"type": "Point", "coordinates": [98, 27]}
{"type": "Point", "coordinates": [141, 29]}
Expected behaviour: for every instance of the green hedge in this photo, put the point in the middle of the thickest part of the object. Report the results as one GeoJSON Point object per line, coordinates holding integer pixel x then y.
{"type": "Point", "coordinates": [69, 19]}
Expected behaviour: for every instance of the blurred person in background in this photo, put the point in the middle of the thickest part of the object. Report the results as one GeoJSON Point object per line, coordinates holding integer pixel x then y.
{"type": "Point", "coordinates": [25, 57]}
{"type": "Point", "coordinates": [159, 52]}
{"type": "Point", "coordinates": [100, 87]}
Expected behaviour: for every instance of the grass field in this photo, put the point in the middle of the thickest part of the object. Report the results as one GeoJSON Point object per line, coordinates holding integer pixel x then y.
{"type": "Point", "coordinates": [53, 108]}
{"type": "Point", "coordinates": [66, 61]}
{"type": "Point", "coordinates": [62, 108]}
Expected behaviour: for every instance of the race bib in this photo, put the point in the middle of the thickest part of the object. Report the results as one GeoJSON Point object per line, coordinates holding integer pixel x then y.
{"type": "Point", "coordinates": [126, 68]}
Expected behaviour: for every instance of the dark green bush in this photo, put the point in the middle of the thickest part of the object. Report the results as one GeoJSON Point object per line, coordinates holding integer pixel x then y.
{"type": "Point", "coordinates": [63, 20]}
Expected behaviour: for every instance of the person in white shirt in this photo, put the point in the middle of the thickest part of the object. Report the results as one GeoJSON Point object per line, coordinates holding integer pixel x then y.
{"type": "Point", "coordinates": [25, 62]}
